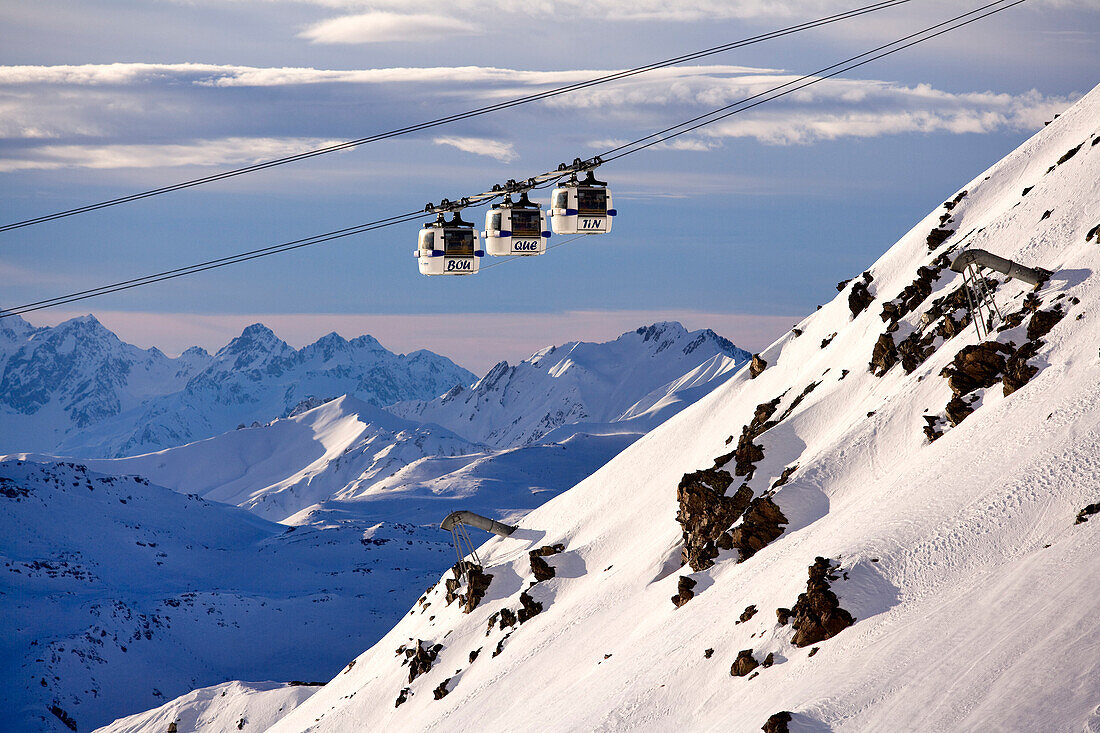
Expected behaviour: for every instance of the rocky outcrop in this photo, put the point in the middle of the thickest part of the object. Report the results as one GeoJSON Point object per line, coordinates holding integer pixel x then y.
{"type": "Point", "coordinates": [441, 691]}
{"type": "Point", "coordinates": [976, 367]}
{"type": "Point", "coordinates": [777, 723]}
{"type": "Point", "coordinates": [507, 618]}
{"type": "Point", "coordinates": [883, 356]}
{"type": "Point", "coordinates": [748, 613]}
{"type": "Point", "coordinates": [938, 236]}
{"type": "Point", "coordinates": [705, 512]}
{"type": "Point", "coordinates": [860, 297]}
{"type": "Point", "coordinates": [477, 582]}
{"type": "Point", "coordinates": [684, 592]}
{"type": "Point", "coordinates": [763, 523]}
{"type": "Point", "coordinates": [421, 657]}
{"type": "Point", "coordinates": [817, 614]}
{"type": "Point", "coordinates": [402, 697]}
{"type": "Point", "coordinates": [541, 569]}
{"type": "Point", "coordinates": [529, 608]}
{"type": "Point", "coordinates": [1088, 511]}
{"type": "Point", "coordinates": [744, 664]}
{"type": "Point", "coordinates": [757, 366]}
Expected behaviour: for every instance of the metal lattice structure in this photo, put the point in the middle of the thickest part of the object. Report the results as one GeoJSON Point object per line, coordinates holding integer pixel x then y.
{"type": "Point", "coordinates": [979, 299]}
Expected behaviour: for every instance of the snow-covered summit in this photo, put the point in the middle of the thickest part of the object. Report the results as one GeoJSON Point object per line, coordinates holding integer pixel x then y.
{"type": "Point", "coordinates": [581, 383]}
{"type": "Point", "coordinates": [77, 389]}
{"type": "Point", "coordinates": [886, 529]}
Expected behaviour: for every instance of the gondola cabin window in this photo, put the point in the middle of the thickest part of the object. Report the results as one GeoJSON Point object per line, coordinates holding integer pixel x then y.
{"type": "Point", "coordinates": [526, 223]}
{"type": "Point", "coordinates": [592, 201]}
{"type": "Point", "coordinates": [458, 242]}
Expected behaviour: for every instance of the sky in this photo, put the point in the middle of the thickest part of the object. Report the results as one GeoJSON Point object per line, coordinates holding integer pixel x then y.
{"type": "Point", "coordinates": [744, 226]}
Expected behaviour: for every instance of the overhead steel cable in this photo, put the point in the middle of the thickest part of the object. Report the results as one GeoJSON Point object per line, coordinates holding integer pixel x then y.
{"type": "Point", "coordinates": [807, 80]}
{"type": "Point", "coordinates": [846, 15]}
{"type": "Point", "coordinates": [626, 149]}
{"type": "Point", "coordinates": [212, 264]}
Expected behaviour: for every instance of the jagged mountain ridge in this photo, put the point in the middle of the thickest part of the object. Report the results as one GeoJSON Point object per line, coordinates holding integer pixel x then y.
{"type": "Point", "coordinates": [76, 389]}
{"type": "Point", "coordinates": [634, 378]}
{"type": "Point", "coordinates": [953, 552]}
{"type": "Point", "coordinates": [75, 375]}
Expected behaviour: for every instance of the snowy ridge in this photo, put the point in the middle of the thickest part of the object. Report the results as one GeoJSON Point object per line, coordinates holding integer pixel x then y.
{"type": "Point", "coordinates": [585, 383]}
{"type": "Point", "coordinates": [76, 389]}
{"type": "Point", "coordinates": [954, 550]}
{"type": "Point", "coordinates": [54, 381]}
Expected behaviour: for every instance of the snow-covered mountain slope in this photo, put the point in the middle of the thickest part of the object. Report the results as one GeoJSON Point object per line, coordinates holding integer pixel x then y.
{"type": "Point", "coordinates": [55, 381]}
{"type": "Point", "coordinates": [76, 389]}
{"type": "Point", "coordinates": [117, 595]}
{"type": "Point", "coordinates": [954, 590]}
{"type": "Point", "coordinates": [644, 376]}
{"type": "Point", "coordinates": [247, 706]}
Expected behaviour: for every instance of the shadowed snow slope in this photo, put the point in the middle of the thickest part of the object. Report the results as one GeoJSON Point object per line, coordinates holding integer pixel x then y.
{"type": "Point", "coordinates": [974, 593]}
{"type": "Point", "coordinates": [640, 379]}
{"type": "Point", "coordinates": [116, 595]}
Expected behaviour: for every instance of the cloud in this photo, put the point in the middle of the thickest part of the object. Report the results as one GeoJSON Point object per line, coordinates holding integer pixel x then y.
{"type": "Point", "coordinates": [504, 152]}
{"type": "Point", "coordinates": [132, 115]}
{"type": "Point", "coordinates": [232, 150]}
{"type": "Point", "coordinates": [385, 27]}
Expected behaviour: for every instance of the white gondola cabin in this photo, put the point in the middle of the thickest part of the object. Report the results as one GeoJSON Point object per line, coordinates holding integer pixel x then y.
{"type": "Point", "coordinates": [448, 247]}
{"type": "Point", "coordinates": [517, 228]}
{"type": "Point", "coordinates": [582, 207]}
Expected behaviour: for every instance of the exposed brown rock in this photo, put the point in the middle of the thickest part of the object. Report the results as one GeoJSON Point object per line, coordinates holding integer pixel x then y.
{"type": "Point", "coordinates": [931, 430]}
{"type": "Point", "coordinates": [1088, 511]}
{"type": "Point", "coordinates": [529, 608]}
{"type": "Point", "coordinates": [757, 366]}
{"type": "Point", "coordinates": [859, 298]}
{"type": "Point", "coordinates": [976, 367]}
{"type": "Point", "coordinates": [421, 658]}
{"type": "Point", "coordinates": [817, 614]}
{"type": "Point", "coordinates": [883, 356]}
{"type": "Point", "coordinates": [684, 592]}
{"type": "Point", "coordinates": [1094, 232]}
{"type": "Point", "coordinates": [783, 616]}
{"type": "Point", "coordinates": [507, 618]}
{"type": "Point", "coordinates": [708, 653]}
{"type": "Point", "coordinates": [541, 569]}
{"type": "Point", "coordinates": [402, 697]}
{"type": "Point", "coordinates": [768, 660]}
{"type": "Point", "coordinates": [1017, 371]}
{"type": "Point", "coordinates": [452, 586]}
{"type": "Point", "coordinates": [473, 654]}
{"type": "Point", "coordinates": [748, 613]}
{"type": "Point", "coordinates": [828, 340]}
{"type": "Point", "coordinates": [937, 236]}
{"type": "Point", "coordinates": [744, 664]}
{"type": "Point", "coordinates": [548, 550]}
{"type": "Point", "coordinates": [957, 410]}
{"type": "Point", "coordinates": [477, 582]}
{"type": "Point", "coordinates": [441, 691]}
{"type": "Point", "coordinates": [1068, 154]}
{"type": "Point", "coordinates": [747, 454]}
{"type": "Point", "coordinates": [777, 723]}
{"type": "Point", "coordinates": [915, 349]}
{"type": "Point", "coordinates": [763, 523]}
{"type": "Point", "coordinates": [705, 512]}
{"type": "Point", "coordinates": [1042, 322]}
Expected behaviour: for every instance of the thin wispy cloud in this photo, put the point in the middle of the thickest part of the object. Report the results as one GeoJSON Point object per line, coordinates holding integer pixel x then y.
{"type": "Point", "coordinates": [233, 150]}
{"type": "Point", "coordinates": [387, 27]}
{"type": "Point", "coordinates": [502, 151]}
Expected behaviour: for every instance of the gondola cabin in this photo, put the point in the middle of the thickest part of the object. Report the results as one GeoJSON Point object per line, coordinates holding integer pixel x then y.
{"type": "Point", "coordinates": [448, 247]}
{"type": "Point", "coordinates": [515, 228]}
{"type": "Point", "coordinates": [582, 207]}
